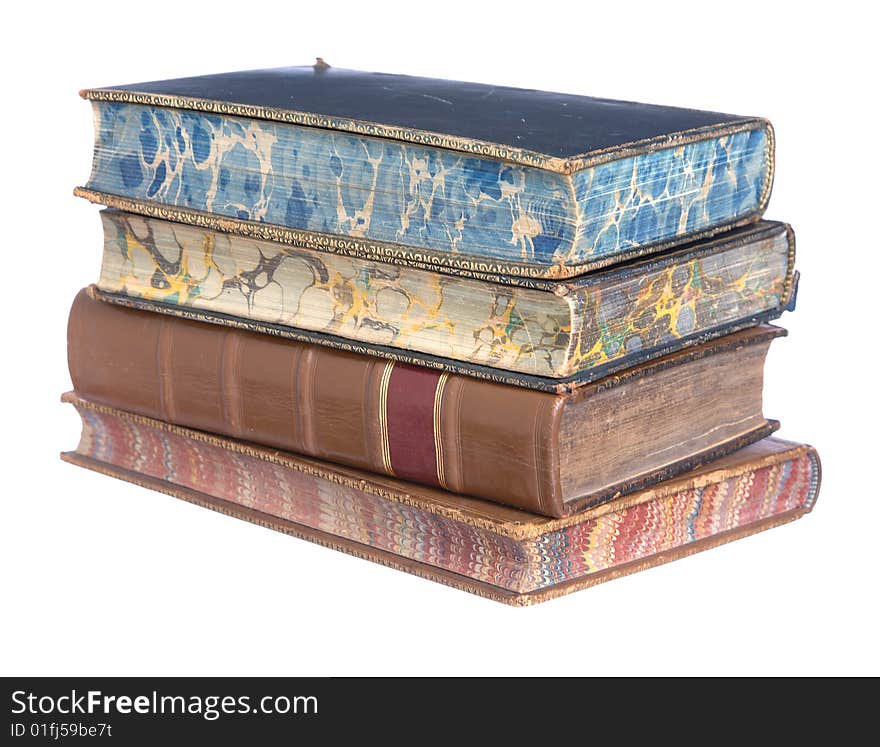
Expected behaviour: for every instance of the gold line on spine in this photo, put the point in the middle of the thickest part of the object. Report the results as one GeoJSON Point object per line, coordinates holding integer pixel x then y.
{"type": "Point", "coordinates": [438, 440]}
{"type": "Point", "coordinates": [383, 417]}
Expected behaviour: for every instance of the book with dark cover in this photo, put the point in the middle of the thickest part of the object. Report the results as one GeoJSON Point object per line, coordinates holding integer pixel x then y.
{"type": "Point", "coordinates": [466, 178]}
{"type": "Point", "coordinates": [545, 334]}
{"type": "Point", "coordinates": [497, 552]}
{"type": "Point", "coordinates": [550, 454]}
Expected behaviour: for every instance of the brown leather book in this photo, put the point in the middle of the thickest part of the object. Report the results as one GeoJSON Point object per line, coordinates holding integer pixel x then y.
{"type": "Point", "coordinates": [551, 454]}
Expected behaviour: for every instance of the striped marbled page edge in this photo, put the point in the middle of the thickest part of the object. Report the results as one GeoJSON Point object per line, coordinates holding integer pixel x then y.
{"type": "Point", "coordinates": [417, 568]}
{"type": "Point", "coordinates": [504, 521]}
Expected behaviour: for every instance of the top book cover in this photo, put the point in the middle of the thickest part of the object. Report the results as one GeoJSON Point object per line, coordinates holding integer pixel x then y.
{"type": "Point", "coordinates": [465, 178]}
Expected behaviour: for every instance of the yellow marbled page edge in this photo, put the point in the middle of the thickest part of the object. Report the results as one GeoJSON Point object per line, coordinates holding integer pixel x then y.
{"type": "Point", "coordinates": [529, 331]}
{"type": "Point", "coordinates": [496, 325]}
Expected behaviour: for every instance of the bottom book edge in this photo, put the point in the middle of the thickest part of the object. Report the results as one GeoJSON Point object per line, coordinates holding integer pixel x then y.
{"type": "Point", "coordinates": [415, 567]}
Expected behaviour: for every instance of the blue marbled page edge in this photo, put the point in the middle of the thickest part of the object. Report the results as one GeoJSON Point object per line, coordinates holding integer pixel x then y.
{"type": "Point", "coordinates": [434, 200]}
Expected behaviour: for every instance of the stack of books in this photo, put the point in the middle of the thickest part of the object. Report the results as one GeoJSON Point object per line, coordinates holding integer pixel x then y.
{"type": "Point", "coordinates": [508, 340]}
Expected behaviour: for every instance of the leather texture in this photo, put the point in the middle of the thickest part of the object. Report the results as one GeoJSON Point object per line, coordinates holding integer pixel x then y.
{"type": "Point", "coordinates": [462, 434]}
{"type": "Point", "coordinates": [497, 440]}
{"type": "Point", "coordinates": [555, 124]}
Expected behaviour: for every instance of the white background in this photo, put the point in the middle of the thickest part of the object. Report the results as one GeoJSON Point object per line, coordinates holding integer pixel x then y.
{"type": "Point", "coordinates": [99, 577]}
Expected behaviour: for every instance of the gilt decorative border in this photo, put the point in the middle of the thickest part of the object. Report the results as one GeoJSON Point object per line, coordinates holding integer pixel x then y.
{"type": "Point", "coordinates": [512, 273]}
{"type": "Point", "coordinates": [473, 146]}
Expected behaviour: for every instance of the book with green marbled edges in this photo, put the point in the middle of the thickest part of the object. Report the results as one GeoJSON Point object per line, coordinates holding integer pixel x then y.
{"type": "Point", "coordinates": [551, 335]}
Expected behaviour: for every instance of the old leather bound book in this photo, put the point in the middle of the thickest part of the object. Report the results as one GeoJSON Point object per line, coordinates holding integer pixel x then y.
{"type": "Point", "coordinates": [498, 552]}
{"type": "Point", "coordinates": [550, 454]}
{"type": "Point", "coordinates": [473, 179]}
{"type": "Point", "coordinates": [550, 335]}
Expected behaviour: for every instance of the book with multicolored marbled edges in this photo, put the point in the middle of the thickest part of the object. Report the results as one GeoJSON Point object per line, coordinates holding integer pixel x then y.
{"type": "Point", "coordinates": [465, 178]}
{"type": "Point", "coordinates": [502, 553]}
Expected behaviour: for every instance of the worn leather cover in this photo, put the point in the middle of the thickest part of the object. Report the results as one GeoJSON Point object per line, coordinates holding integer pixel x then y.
{"type": "Point", "coordinates": [467, 179]}
{"type": "Point", "coordinates": [458, 433]}
{"type": "Point", "coordinates": [554, 124]}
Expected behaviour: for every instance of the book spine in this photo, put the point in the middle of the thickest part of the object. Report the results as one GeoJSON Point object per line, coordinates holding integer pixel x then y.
{"type": "Point", "coordinates": [430, 427]}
